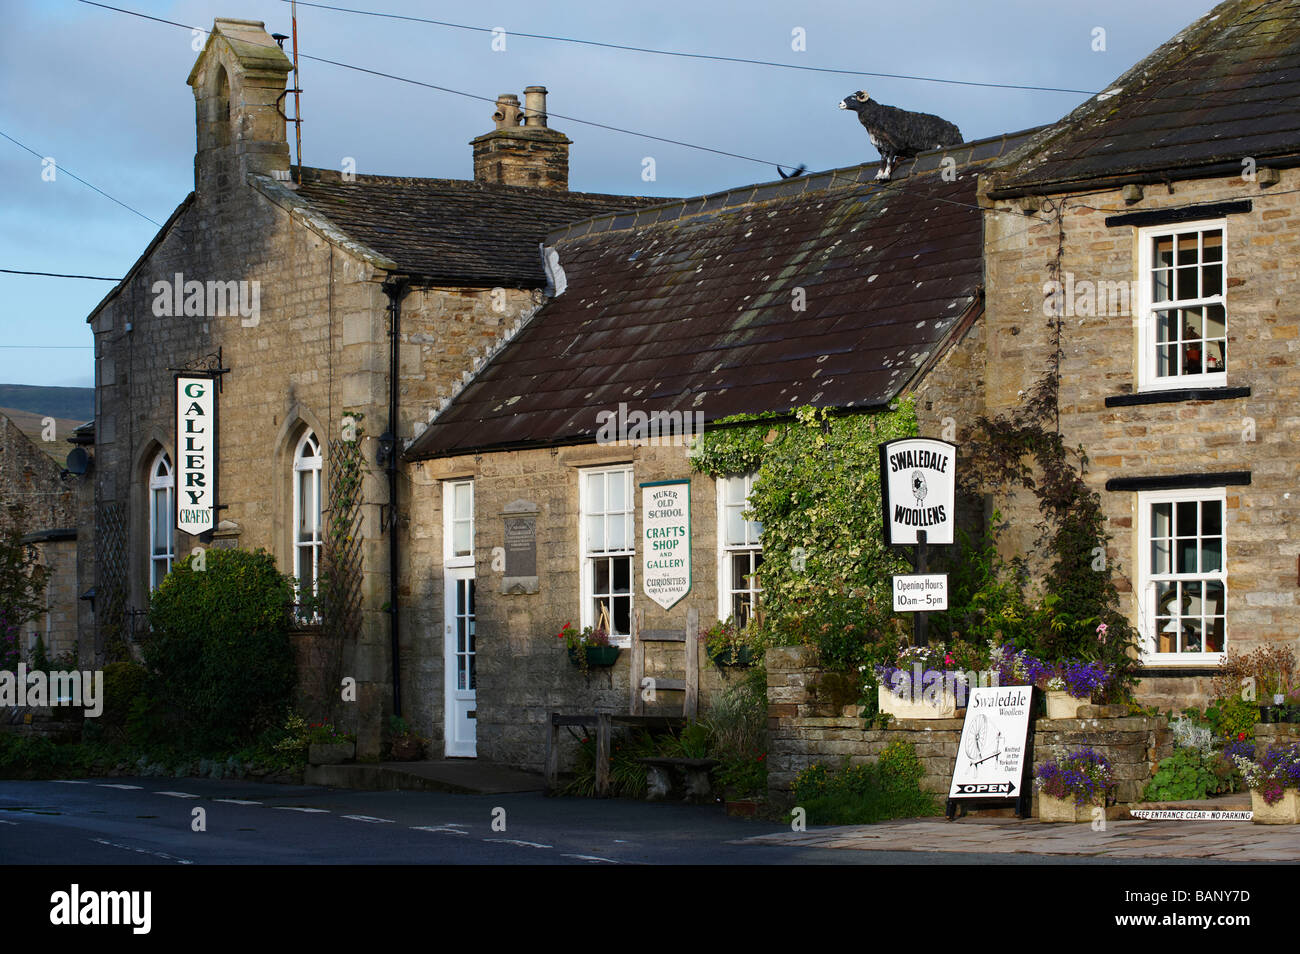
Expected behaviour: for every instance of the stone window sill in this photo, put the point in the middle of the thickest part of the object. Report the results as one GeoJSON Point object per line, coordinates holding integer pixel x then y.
{"type": "Point", "coordinates": [1179, 394]}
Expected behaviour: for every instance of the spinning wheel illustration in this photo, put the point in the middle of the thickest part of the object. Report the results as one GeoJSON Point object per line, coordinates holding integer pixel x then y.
{"type": "Point", "coordinates": [978, 749]}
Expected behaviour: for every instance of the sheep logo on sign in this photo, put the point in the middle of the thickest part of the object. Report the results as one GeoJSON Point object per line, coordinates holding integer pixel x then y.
{"type": "Point", "coordinates": [919, 489]}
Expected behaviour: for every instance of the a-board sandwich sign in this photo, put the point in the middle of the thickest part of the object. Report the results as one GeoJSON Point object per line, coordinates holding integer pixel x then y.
{"type": "Point", "coordinates": [196, 453]}
{"type": "Point", "coordinates": [993, 758]}
{"type": "Point", "coordinates": [666, 540]}
{"type": "Point", "coordinates": [918, 490]}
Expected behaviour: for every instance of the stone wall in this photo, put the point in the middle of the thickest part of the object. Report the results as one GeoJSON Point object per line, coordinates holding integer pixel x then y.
{"type": "Point", "coordinates": [809, 722]}
{"type": "Point", "coordinates": [1259, 433]}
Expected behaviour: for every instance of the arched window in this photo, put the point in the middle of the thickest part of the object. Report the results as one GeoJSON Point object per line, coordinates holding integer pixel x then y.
{"type": "Point", "coordinates": [221, 109]}
{"type": "Point", "coordinates": [307, 514]}
{"type": "Point", "coordinates": [162, 514]}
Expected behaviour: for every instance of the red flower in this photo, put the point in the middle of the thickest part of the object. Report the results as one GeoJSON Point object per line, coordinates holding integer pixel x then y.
{"type": "Point", "coordinates": [1241, 736]}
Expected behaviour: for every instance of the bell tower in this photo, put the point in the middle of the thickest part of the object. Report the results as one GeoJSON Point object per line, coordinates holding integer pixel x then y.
{"type": "Point", "coordinates": [238, 81]}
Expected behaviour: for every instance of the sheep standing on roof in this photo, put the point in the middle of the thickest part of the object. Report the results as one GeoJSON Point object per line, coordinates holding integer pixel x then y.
{"type": "Point", "coordinates": [898, 133]}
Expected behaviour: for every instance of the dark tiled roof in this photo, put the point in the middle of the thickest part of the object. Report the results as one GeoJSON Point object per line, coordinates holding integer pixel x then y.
{"type": "Point", "coordinates": [1225, 88]}
{"type": "Point", "coordinates": [688, 306]}
{"type": "Point", "coordinates": [454, 231]}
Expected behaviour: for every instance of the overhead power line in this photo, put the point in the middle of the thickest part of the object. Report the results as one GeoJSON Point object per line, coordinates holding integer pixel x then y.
{"type": "Point", "coordinates": [467, 95]}
{"type": "Point", "coordinates": [492, 99]}
{"type": "Point", "coordinates": [68, 172]}
{"type": "Point", "coordinates": [695, 56]}
{"type": "Point", "coordinates": [93, 278]}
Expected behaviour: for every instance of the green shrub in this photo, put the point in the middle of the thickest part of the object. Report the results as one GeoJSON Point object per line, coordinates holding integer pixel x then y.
{"type": "Point", "coordinates": [123, 683]}
{"type": "Point", "coordinates": [221, 666]}
{"type": "Point", "coordinates": [868, 793]}
{"type": "Point", "coordinates": [1187, 774]}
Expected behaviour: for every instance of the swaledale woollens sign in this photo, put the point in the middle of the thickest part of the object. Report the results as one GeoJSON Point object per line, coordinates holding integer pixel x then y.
{"type": "Point", "coordinates": [918, 489]}
{"type": "Point", "coordinates": [991, 759]}
{"type": "Point", "coordinates": [666, 529]}
{"type": "Point", "coordinates": [196, 454]}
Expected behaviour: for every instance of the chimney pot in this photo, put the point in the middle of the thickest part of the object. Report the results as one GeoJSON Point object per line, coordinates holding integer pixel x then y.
{"type": "Point", "coordinates": [507, 115]}
{"type": "Point", "coordinates": [535, 106]}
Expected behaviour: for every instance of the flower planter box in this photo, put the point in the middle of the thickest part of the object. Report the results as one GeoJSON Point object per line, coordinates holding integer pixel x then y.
{"type": "Point", "coordinates": [331, 753]}
{"type": "Point", "coordinates": [1284, 812]}
{"type": "Point", "coordinates": [597, 656]}
{"type": "Point", "coordinates": [1052, 809]}
{"type": "Point", "coordinates": [1062, 705]}
{"type": "Point", "coordinates": [743, 808]}
{"type": "Point", "coordinates": [741, 659]}
{"type": "Point", "coordinates": [407, 748]}
{"type": "Point", "coordinates": [903, 707]}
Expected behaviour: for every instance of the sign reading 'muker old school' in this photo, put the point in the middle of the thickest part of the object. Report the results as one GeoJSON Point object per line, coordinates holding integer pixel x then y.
{"type": "Point", "coordinates": [918, 490]}
{"type": "Point", "coordinates": [666, 532]}
{"type": "Point", "coordinates": [196, 454]}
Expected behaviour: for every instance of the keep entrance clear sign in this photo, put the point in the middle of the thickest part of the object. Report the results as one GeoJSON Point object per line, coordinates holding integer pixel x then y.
{"type": "Point", "coordinates": [666, 532]}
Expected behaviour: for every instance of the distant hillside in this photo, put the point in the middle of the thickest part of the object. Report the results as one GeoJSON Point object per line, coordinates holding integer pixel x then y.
{"type": "Point", "coordinates": [32, 425]}
{"type": "Point", "coordinates": [74, 404]}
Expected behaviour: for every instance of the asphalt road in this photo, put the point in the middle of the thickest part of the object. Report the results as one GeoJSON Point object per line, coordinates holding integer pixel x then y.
{"type": "Point", "coordinates": [126, 821]}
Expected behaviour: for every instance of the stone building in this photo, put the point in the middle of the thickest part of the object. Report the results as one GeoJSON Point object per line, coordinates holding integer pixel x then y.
{"type": "Point", "coordinates": [821, 290]}
{"type": "Point", "coordinates": [1168, 204]}
{"type": "Point", "coordinates": [332, 310]}
{"type": "Point", "coordinates": [34, 487]}
{"type": "Point", "coordinates": [460, 345]}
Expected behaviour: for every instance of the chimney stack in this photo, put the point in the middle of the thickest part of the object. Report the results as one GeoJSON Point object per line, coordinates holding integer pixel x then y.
{"type": "Point", "coordinates": [522, 150]}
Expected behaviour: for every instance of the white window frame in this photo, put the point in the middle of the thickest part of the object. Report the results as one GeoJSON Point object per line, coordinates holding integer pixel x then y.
{"type": "Point", "coordinates": [587, 556]}
{"type": "Point", "coordinates": [165, 486]}
{"type": "Point", "coordinates": [726, 583]}
{"type": "Point", "coordinates": [1146, 325]}
{"type": "Point", "coordinates": [314, 466]}
{"type": "Point", "coordinates": [1147, 580]}
{"type": "Point", "coordinates": [449, 521]}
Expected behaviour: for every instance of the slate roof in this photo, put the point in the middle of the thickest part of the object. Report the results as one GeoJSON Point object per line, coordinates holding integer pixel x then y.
{"type": "Point", "coordinates": [1226, 87]}
{"type": "Point", "coordinates": [688, 306]}
{"type": "Point", "coordinates": [454, 231]}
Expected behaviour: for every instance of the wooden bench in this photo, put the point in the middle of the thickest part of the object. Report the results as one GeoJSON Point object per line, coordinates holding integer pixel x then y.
{"type": "Point", "coordinates": [603, 723]}
{"type": "Point", "coordinates": [659, 777]}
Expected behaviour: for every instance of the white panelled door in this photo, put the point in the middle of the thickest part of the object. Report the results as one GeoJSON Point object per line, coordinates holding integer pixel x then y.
{"type": "Point", "coordinates": [461, 682]}
{"type": "Point", "coordinates": [459, 650]}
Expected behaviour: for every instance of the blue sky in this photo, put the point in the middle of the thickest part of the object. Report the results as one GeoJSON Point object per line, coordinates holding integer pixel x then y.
{"type": "Point", "coordinates": [104, 94]}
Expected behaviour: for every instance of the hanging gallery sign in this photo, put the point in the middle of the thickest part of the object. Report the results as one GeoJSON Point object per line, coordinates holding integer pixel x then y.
{"type": "Point", "coordinates": [196, 453]}
{"type": "Point", "coordinates": [918, 490]}
{"type": "Point", "coordinates": [666, 540]}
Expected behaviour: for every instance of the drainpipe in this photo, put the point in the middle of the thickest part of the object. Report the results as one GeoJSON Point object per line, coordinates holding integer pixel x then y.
{"type": "Point", "coordinates": [395, 288]}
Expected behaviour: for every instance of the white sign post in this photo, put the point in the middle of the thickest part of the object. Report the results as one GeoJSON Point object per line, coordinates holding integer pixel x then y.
{"type": "Point", "coordinates": [196, 444]}
{"type": "Point", "coordinates": [994, 759]}
{"type": "Point", "coordinates": [918, 497]}
{"type": "Point", "coordinates": [666, 540]}
{"type": "Point", "coordinates": [921, 593]}
{"type": "Point", "coordinates": [918, 487]}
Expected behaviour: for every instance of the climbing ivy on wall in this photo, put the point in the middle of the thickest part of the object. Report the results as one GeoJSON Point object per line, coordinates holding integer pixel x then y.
{"type": "Point", "coordinates": [826, 570]}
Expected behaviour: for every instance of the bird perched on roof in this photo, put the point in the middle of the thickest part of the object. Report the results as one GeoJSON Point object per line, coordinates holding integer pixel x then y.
{"type": "Point", "coordinates": [899, 133]}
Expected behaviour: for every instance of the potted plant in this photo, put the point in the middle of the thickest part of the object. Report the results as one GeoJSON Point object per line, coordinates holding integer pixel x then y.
{"type": "Point", "coordinates": [920, 684]}
{"type": "Point", "coordinates": [1071, 786]}
{"type": "Point", "coordinates": [725, 644]}
{"type": "Point", "coordinates": [589, 647]}
{"type": "Point", "coordinates": [328, 745]}
{"type": "Point", "coordinates": [1274, 783]}
{"type": "Point", "coordinates": [404, 744]}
